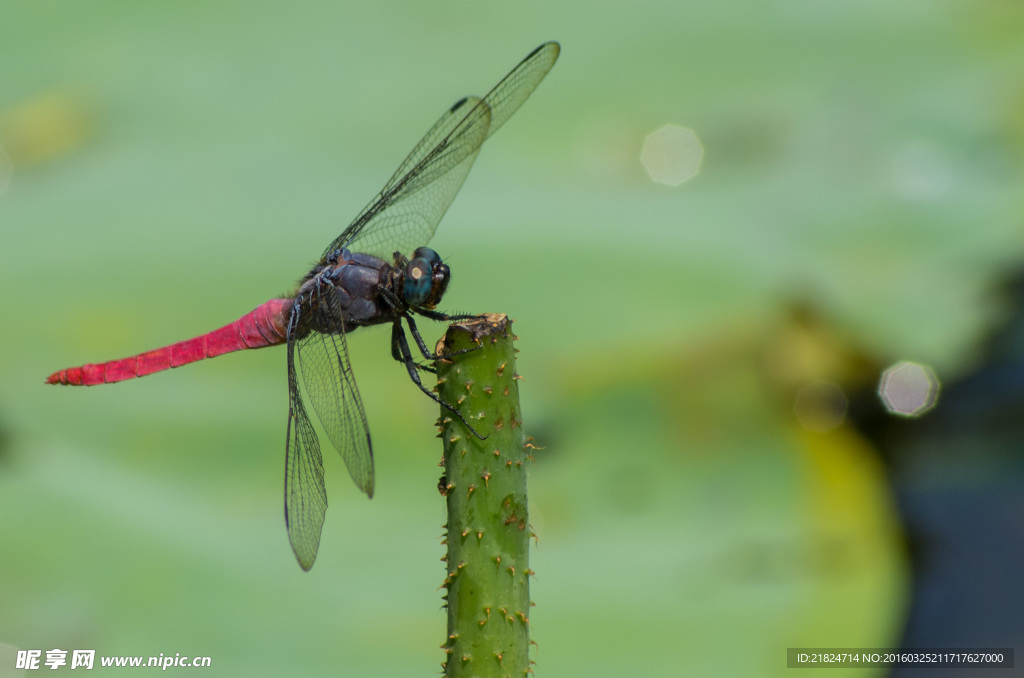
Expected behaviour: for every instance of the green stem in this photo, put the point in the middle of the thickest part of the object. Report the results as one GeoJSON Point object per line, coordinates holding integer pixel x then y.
{"type": "Point", "coordinates": [488, 589]}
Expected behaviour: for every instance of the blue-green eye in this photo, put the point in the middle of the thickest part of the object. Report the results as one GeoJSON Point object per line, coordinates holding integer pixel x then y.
{"type": "Point", "coordinates": [430, 255]}
{"type": "Point", "coordinates": [418, 279]}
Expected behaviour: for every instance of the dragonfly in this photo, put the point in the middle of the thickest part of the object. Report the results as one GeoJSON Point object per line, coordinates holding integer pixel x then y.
{"type": "Point", "coordinates": [369, 275]}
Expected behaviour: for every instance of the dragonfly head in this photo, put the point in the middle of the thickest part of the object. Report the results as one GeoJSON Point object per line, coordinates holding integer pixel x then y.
{"type": "Point", "coordinates": [426, 279]}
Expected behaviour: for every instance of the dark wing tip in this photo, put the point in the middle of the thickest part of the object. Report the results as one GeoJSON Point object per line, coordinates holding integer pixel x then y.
{"type": "Point", "coordinates": [551, 44]}
{"type": "Point", "coordinates": [458, 104]}
{"type": "Point", "coordinates": [369, 482]}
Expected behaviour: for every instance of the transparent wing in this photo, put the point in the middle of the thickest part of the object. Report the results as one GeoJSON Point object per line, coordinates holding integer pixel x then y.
{"type": "Point", "coordinates": [305, 496]}
{"type": "Point", "coordinates": [405, 214]}
{"type": "Point", "coordinates": [330, 388]}
{"type": "Point", "coordinates": [431, 142]}
{"type": "Point", "coordinates": [404, 223]}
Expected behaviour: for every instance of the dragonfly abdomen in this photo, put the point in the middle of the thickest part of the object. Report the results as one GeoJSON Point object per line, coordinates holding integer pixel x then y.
{"type": "Point", "coordinates": [263, 326]}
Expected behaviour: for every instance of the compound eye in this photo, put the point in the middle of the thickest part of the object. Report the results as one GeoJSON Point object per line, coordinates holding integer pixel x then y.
{"type": "Point", "coordinates": [418, 280]}
{"type": "Point", "coordinates": [430, 255]}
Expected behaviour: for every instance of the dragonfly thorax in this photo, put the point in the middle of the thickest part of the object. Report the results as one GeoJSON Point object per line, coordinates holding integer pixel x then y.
{"type": "Point", "coordinates": [360, 289]}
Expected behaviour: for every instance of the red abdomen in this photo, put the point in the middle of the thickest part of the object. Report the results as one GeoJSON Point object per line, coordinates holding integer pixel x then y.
{"type": "Point", "coordinates": [264, 326]}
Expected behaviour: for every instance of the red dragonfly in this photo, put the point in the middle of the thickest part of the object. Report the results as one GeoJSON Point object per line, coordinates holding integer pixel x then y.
{"type": "Point", "coordinates": [363, 278]}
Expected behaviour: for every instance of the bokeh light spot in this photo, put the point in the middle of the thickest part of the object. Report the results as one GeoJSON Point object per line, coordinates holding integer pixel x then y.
{"type": "Point", "coordinates": [909, 389]}
{"type": "Point", "coordinates": [820, 406]}
{"type": "Point", "coordinates": [672, 155]}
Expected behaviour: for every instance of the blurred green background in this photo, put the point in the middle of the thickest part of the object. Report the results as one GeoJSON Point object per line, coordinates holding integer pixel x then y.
{"type": "Point", "coordinates": [176, 164]}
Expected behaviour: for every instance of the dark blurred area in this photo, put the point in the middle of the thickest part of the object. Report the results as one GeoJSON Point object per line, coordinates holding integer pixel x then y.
{"type": "Point", "coordinates": [957, 477]}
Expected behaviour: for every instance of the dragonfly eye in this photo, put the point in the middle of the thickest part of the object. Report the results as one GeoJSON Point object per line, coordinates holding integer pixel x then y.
{"type": "Point", "coordinates": [430, 255]}
{"type": "Point", "coordinates": [418, 279]}
{"type": "Point", "coordinates": [426, 279]}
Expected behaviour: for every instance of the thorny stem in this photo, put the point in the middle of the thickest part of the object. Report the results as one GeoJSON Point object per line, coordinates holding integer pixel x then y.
{"type": "Point", "coordinates": [487, 583]}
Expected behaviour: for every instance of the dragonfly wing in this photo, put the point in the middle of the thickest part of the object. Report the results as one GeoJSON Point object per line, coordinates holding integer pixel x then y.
{"type": "Point", "coordinates": [404, 224]}
{"type": "Point", "coordinates": [330, 387]}
{"type": "Point", "coordinates": [448, 148]}
{"type": "Point", "coordinates": [441, 130]}
{"type": "Point", "coordinates": [395, 222]}
{"type": "Point", "coordinates": [305, 496]}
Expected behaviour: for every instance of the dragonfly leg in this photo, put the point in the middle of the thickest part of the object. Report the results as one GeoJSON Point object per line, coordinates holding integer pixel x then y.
{"type": "Point", "coordinates": [444, 317]}
{"type": "Point", "coordinates": [401, 344]}
{"type": "Point", "coordinates": [427, 353]}
{"type": "Point", "coordinates": [396, 349]}
{"type": "Point", "coordinates": [392, 300]}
